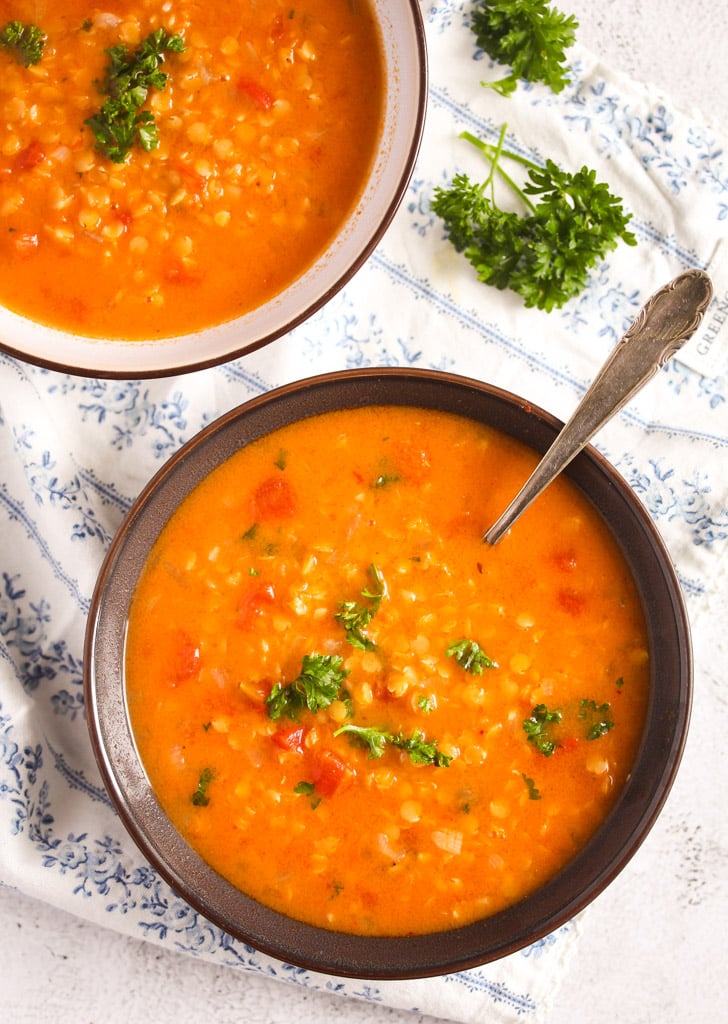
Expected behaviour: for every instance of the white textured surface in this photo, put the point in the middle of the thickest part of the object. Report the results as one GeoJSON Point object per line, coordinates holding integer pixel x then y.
{"type": "Point", "coordinates": [57, 968]}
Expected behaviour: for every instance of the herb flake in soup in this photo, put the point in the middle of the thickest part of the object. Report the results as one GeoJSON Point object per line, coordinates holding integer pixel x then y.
{"type": "Point", "coordinates": [166, 166]}
{"type": "Point", "coordinates": [356, 711]}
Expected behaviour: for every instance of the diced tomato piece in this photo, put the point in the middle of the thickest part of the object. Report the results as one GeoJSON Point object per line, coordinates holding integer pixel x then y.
{"type": "Point", "coordinates": [256, 92]}
{"type": "Point", "coordinates": [565, 560]}
{"type": "Point", "coordinates": [328, 772]}
{"type": "Point", "coordinates": [412, 462]}
{"type": "Point", "coordinates": [30, 157]}
{"type": "Point", "coordinates": [185, 661]}
{"type": "Point", "coordinates": [571, 602]}
{"type": "Point", "coordinates": [273, 499]}
{"type": "Point", "coordinates": [290, 739]}
{"type": "Point", "coordinates": [253, 605]}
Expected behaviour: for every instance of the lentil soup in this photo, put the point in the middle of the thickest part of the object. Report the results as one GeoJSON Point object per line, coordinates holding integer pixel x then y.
{"type": "Point", "coordinates": [266, 127]}
{"type": "Point", "coordinates": [352, 708]}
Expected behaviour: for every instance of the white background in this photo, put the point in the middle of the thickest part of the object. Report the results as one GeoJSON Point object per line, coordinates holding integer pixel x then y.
{"type": "Point", "coordinates": [54, 967]}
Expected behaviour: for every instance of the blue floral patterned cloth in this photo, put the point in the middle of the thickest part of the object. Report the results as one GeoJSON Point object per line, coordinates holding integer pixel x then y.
{"type": "Point", "coordinates": [74, 453]}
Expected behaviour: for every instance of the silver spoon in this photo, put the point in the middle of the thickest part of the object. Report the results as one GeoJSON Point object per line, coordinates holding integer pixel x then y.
{"type": "Point", "coordinates": [662, 326]}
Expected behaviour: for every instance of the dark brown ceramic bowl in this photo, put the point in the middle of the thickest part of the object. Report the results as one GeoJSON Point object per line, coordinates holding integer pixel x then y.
{"type": "Point", "coordinates": [414, 956]}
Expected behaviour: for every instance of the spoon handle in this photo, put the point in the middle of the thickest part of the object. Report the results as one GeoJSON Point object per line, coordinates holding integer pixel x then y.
{"type": "Point", "coordinates": [662, 326]}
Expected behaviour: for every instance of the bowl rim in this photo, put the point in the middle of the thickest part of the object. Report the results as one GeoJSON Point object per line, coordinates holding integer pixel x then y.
{"type": "Point", "coordinates": [147, 359]}
{"type": "Point", "coordinates": [389, 958]}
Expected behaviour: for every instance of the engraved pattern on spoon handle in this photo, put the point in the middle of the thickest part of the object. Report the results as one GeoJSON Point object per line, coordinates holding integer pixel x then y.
{"type": "Point", "coordinates": [663, 325]}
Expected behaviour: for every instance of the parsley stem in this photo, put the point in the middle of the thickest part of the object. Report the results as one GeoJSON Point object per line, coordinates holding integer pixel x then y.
{"type": "Point", "coordinates": [493, 160]}
{"type": "Point", "coordinates": [493, 155]}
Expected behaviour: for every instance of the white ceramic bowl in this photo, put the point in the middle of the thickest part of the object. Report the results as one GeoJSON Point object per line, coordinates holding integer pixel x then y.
{"type": "Point", "coordinates": [403, 41]}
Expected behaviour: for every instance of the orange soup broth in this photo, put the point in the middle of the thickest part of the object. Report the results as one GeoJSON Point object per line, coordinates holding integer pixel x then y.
{"type": "Point", "coordinates": [246, 580]}
{"type": "Point", "coordinates": [267, 127]}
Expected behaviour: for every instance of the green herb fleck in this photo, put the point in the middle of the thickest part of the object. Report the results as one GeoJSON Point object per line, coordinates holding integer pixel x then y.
{"type": "Point", "coordinates": [308, 789]}
{"type": "Point", "coordinates": [318, 685]}
{"type": "Point", "coordinates": [120, 122]}
{"type": "Point", "coordinates": [533, 793]}
{"type": "Point", "coordinates": [375, 739]}
{"type": "Point", "coordinates": [280, 462]}
{"type": "Point", "coordinates": [470, 656]}
{"type": "Point", "coordinates": [355, 617]}
{"type": "Point", "coordinates": [529, 36]}
{"type": "Point", "coordinates": [597, 718]}
{"type": "Point", "coordinates": [538, 728]}
{"type": "Point", "coordinates": [200, 798]}
{"type": "Point", "coordinates": [420, 750]}
{"type": "Point", "coordinates": [25, 42]}
{"type": "Point", "coordinates": [345, 698]}
{"type": "Point", "coordinates": [384, 479]}
{"type": "Point", "coordinates": [426, 704]}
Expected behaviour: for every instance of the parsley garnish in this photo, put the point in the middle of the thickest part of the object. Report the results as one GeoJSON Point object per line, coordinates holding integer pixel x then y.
{"type": "Point", "coordinates": [26, 42]}
{"type": "Point", "coordinates": [527, 35]}
{"type": "Point", "coordinates": [420, 750]}
{"type": "Point", "coordinates": [384, 479]}
{"type": "Point", "coordinates": [539, 729]}
{"type": "Point", "coordinates": [470, 656]}
{"type": "Point", "coordinates": [120, 122]}
{"type": "Point", "coordinates": [308, 789]}
{"type": "Point", "coordinates": [200, 798]}
{"type": "Point", "coordinates": [426, 704]}
{"type": "Point", "coordinates": [545, 255]}
{"type": "Point", "coordinates": [356, 617]}
{"type": "Point", "coordinates": [596, 717]}
{"type": "Point", "coordinates": [318, 686]}
{"type": "Point", "coordinates": [533, 793]}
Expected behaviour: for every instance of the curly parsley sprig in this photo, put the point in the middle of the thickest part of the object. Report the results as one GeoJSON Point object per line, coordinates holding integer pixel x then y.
{"type": "Point", "coordinates": [470, 656]}
{"type": "Point", "coordinates": [355, 617]}
{"type": "Point", "coordinates": [530, 37]}
{"type": "Point", "coordinates": [539, 728]}
{"type": "Point", "coordinates": [420, 750]}
{"type": "Point", "coordinates": [546, 254]}
{"type": "Point", "coordinates": [26, 42]}
{"type": "Point", "coordinates": [318, 685]}
{"type": "Point", "coordinates": [130, 76]}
